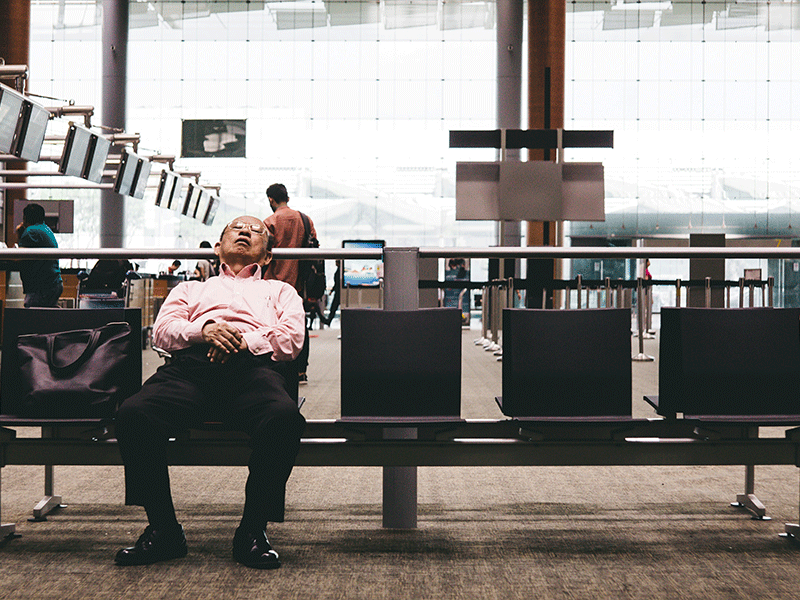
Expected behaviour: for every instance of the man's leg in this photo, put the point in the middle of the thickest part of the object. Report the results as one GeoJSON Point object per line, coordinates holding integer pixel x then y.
{"type": "Point", "coordinates": [264, 410]}
{"type": "Point", "coordinates": [167, 402]}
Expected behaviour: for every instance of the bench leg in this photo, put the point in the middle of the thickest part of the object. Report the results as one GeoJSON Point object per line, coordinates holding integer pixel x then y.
{"type": "Point", "coordinates": [792, 531]}
{"type": "Point", "coordinates": [748, 500]}
{"type": "Point", "coordinates": [7, 530]}
{"type": "Point", "coordinates": [50, 502]}
{"type": "Point", "coordinates": [400, 487]}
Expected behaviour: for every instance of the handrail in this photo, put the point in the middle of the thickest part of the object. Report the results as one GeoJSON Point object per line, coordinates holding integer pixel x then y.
{"type": "Point", "coordinates": [430, 252]}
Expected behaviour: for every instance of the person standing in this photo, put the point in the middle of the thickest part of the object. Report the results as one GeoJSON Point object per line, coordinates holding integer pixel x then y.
{"type": "Point", "coordinates": [41, 279]}
{"type": "Point", "coordinates": [287, 228]}
{"type": "Point", "coordinates": [337, 290]}
{"type": "Point", "coordinates": [204, 268]}
{"type": "Point", "coordinates": [232, 338]}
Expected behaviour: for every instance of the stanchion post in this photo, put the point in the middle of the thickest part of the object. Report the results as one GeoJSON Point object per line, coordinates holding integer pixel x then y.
{"type": "Point", "coordinates": [579, 285]}
{"type": "Point", "coordinates": [708, 292]}
{"type": "Point", "coordinates": [741, 292]}
{"type": "Point", "coordinates": [608, 292]}
{"type": "Point", "coordinates": [678, 293]}
{"type": "Point", "coordinates": [641, 357]}
{"type": "Point", "coordinates": [771, 291]}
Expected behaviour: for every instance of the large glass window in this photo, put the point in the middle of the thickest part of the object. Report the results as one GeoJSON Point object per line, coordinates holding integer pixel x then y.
{"type": "Point", "coordinates": [702, 97]}
{"type": "Point", "coordinates": [348, 103]}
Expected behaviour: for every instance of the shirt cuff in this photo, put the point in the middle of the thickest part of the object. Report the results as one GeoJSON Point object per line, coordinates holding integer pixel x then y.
{"type": "Point", "coordinates": [257, 342]}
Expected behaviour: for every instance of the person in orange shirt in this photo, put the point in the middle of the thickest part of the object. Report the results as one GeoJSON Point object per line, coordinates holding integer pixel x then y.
{"type": "Point", "coordinates": [286, 227]}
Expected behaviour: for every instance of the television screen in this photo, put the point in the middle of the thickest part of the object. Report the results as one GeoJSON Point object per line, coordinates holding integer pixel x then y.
{"type": "Point", "coordinates": [76, 150]}
{"type": "Point", "coordinates": [211, 211]}
{"type": "Point", "coordinates": [31, 134]}
{"type": "Point", "coordinates": [10, 107]}
{"type": "Point", "coordinates": [362, 273]}
{"type": "Point", "coordinates": [142, 175]}
{"type": "Point", "coordinates": [96, 161]}
{"type": "Point", "coordinates": [125, 173]}
{"type": "Point", "coordinates": [169, 188]}
{"type": "Point", "coordinates": [202, 199]}
{"type": "Point", "coordinates": [209, 138]}
{"type": "Point", "coordinates": [194, 197]}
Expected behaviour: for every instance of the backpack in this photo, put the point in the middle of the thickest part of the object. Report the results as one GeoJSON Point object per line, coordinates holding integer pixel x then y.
{"type": "Point", "coordinates": [312, 272]}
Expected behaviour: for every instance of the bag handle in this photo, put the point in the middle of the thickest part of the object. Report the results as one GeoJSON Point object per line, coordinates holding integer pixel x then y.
{"type": "Point", "coordinates": [90, 347]}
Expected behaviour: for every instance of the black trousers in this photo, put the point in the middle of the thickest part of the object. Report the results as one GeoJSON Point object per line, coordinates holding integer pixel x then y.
{"type": "Point", "coordinates": [247, 393]}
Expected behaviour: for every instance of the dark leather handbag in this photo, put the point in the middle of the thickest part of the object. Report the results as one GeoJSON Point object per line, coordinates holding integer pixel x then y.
{"type": "Point", "coordinates": [74, 374]}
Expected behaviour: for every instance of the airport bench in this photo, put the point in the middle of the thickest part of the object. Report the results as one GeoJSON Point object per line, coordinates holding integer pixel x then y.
{"type": "Point", "coordinates": [605, 434]}
{"type": "Point", "coordinates": [509, 442]}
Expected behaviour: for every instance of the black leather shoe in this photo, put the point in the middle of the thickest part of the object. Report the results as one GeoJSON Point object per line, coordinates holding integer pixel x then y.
{"type": "Point", "coordinates": [254, 550]}
{"type": "Point", "coordinates": [154, 545]}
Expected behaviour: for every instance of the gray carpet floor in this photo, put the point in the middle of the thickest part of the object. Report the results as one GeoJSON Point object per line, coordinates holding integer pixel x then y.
{"type": "Point", "coordinates": [593, 532]}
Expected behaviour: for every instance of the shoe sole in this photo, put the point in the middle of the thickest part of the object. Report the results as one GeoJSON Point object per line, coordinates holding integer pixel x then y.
{"type": "Point", "coordinates": [123, 563]}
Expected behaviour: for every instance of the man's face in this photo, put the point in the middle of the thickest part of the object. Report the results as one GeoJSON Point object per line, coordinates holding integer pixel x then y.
{"type": "Point", "coordinates": [243, 240]}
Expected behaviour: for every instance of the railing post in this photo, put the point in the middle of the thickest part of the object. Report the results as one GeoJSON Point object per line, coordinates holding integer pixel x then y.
{"type": "Point", "coordinates": [401, 292]}
{"type": "Point", "coordinates": [708, 292]}
{"type": "Point", "coordinates": [579, 288]}
{"type": "Point", "coordinates": [678, 293]}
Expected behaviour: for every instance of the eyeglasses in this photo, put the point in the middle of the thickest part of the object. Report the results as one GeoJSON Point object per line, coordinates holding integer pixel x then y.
{"type": "Point", "coordinates": [254, 227]}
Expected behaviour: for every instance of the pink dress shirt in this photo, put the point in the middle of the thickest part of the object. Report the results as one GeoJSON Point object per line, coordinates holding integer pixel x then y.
{"type": "Point", "coordinates": [269, 313]}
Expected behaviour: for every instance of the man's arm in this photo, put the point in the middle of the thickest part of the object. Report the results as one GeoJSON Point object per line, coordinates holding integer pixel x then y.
{"type": "Point", "coordinates": [285, 338]}
{"type": "Point", "coordinates": [173, 330]}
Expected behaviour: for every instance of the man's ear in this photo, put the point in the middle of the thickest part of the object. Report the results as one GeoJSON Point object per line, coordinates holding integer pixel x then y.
{"type": "Point", "coordinates": [267, 259]}
{"type": "Point", "coordinates": [217, 248]}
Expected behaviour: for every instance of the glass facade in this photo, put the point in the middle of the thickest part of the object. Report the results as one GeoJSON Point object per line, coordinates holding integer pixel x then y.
{"type": "Point", "coordinates": [347, 103]}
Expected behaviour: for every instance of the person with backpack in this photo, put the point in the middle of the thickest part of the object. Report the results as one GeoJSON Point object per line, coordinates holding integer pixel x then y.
{"type": "Point", "coordinates": [292, 229]}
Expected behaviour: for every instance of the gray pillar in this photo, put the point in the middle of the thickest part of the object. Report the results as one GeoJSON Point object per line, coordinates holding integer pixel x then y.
{"type": "Point", "coordinates": [115, 74]}
{"type": "Point", "coordinates": [401, 292]}
{"type": "Point", "coordinates": [509, 97]}
{"type": "Point", "coordinates": [700, 268]}
{"type": "Point", "coordinates": [401, 278]}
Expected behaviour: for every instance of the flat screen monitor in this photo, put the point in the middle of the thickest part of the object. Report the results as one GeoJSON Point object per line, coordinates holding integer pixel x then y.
{"type": "Point", "coordinates": [132, 169]}
{"type": "Point", "coordinates": [96, 161]}
{"type": "Point", "coordinates": [142, 175]}
{"type": "Point", "coordinates": [202, 199]}
{"type": "Point", "coordinates": [22, 125]}
{"type": "Point", "coordinates": [76, 151]}
{"type": "Point", "coordinates": [31, 131]}
{"type": "Point", "coordinates": [211, 211]}
{"type": "Point", "coordinates": [195, 196]}
{"type": "Point", "coordinates": [10, 108]}
{"type": "Point", "coordinates": [169, 188]}
{"type": "Point", "coordinates": [84, 154]}
{"type": "Point", "coordinates": [164, 191]}
{"type": "Point", "coordinates": [210, 138]}
{"type": "Point", "coordinates": [362, 272]}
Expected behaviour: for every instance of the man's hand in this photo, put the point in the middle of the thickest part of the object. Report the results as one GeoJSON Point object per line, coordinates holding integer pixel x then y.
{"type": "Point", "coordinates": [224, 340]}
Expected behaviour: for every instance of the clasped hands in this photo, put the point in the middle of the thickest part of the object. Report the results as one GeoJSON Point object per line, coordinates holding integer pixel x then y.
{"type": "Point", "coordinates": [224, 340]}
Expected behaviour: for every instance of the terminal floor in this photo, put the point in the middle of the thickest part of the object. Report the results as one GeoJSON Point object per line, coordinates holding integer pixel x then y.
{"type": "Point", "coordinates": [539, 532]}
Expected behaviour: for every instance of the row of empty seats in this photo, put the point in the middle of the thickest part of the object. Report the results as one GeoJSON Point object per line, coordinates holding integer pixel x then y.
{"type": "Point", "coordinates": [575, 363]}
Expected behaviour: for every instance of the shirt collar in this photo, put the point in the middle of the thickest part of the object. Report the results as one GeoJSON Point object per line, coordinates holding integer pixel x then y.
{"type": "Point", "coordinates": [249, 272]}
